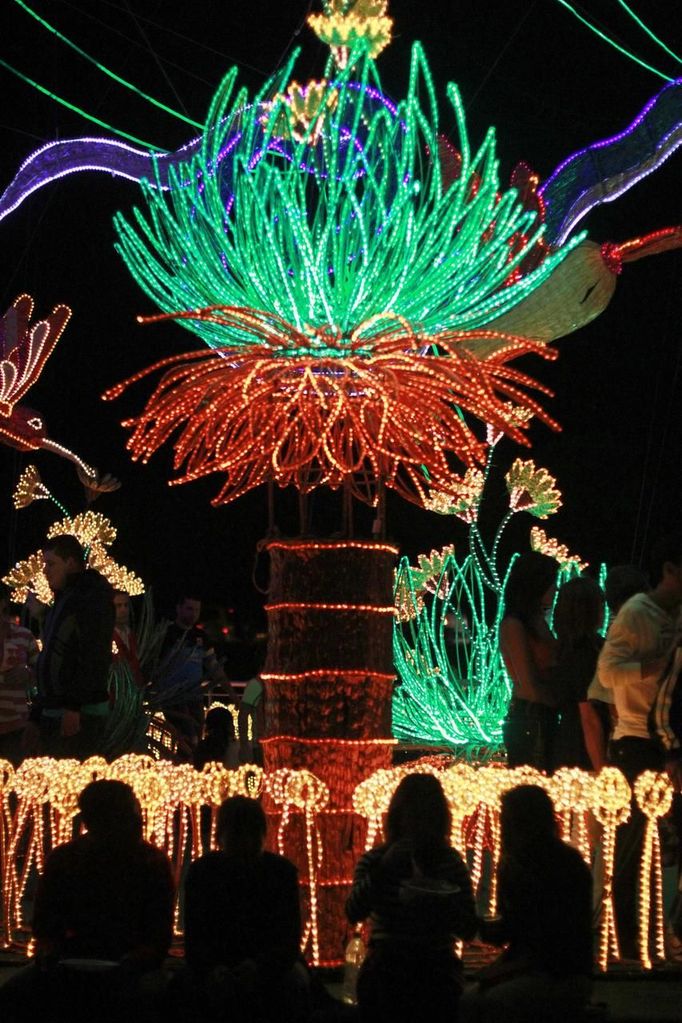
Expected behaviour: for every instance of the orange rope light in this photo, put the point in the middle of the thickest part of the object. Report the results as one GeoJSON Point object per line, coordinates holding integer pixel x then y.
{"type": "Point", "coordinates": [386, 548]}
{"type": "Point", "coordinates": [327, 410]}
{"type": "Point", "coordinates": [366, 608]}
{"type": "Point", "coordinates": [326, 673]}
{"type": "Point", "coordinates": [301, 741]}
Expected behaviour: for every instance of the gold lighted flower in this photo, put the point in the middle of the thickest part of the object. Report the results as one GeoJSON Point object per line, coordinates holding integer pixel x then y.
{"type": "Point", "coordinates": [532, 490]}
{"type": "Point", "coordinates": [408, 602]}
{"type": "Point", "coordinates": [304, 109]}
{"type": "Point", "coordinates": [462, 502]}
{"type": "Point", "coordinates": [517, 416]}
{"type": "Point", "coordinates": [30, 488]}
{"type": "Point", "coordinates": [120, 577]}
{"type": "Point", "coordinates": [345, 22]}
{"type": "Point", "coordinates": [539, 541]}
{"type": "Point", "coordinates": [429, 576]}
{"type": "Point", "coordinates": [89, 528]}
{"type": "Point", "coordinates": [28, 577]}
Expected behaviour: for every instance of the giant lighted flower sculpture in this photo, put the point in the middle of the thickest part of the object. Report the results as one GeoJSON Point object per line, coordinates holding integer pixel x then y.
{"type": "Point", "coordinates": [345, 291]}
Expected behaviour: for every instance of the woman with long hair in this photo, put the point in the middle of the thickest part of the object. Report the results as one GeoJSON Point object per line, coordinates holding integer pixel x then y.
{"type": "Point", "coordinates": [529, 653]}
{"type": "Point", "coordinates": [545, 905]}
{"type": "Point", "coordinates": [417, 892]}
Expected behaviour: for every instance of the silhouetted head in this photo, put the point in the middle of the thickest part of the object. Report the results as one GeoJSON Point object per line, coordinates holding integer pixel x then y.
{"type": "Point", "coordinates": [666, 566]}
{"type": "Point", "coordinates": [121, 608]}
{"type": "Point", "coordinates": [63, 557]}
{"type": "Point", "coordinates": [110, 811]}
{"type": "Point", "coordinates": [219, 723]}
{"type": "Point", "coordinates": [578, 612]}
{"type": "Point", "coordinates": [241, 827]}
{"type": "Point", "coordinates": [527, 819]}
{"type": "Point", "coordinates": [622, 582]}
{"type": "Point", "coordinates": [187, 611]}
{"type": "Point", "coordinates": [531, 585]}
{"type": "Point", "coordinates": [418, 813]}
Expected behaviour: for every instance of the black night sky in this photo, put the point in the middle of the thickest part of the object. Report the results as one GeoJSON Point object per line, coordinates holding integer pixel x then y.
{"type": "Point", "coordinates": [549, 86]}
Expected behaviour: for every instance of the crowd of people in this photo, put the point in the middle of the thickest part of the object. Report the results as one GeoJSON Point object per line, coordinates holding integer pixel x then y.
{"type": "Point", "coordinates": [60, 700]}
{"type": "Point", "coordinates": [103, 917]}
{"type": "Point", "coordinates": [104, 913]}
{"type": "Point", "coordinates": [582, 701]}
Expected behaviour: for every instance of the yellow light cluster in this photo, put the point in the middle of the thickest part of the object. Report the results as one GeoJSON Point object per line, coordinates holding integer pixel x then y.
{"type": "Point", "coordinates": [474, 793]}
{"type": "Point", "coordinates": [90, 528]}
{"type": "Point", "coordinates": [539, 541]}
{"type": "Point", "coordinates": [120, 577]}
{"type": "Point", "coordinates": [462, 502]}
{"type": "Point", "coordinates": [346, 22]}
{"type": "Point", "coordinates": [532, 490]}
{"type": "Point", "coordinates": [426, 577]}
{"type": "Point", "coordinates": [30, 488]}
{"type": "Point", "coordinates": [28, 577]}
{"type": "Point", "coordinates": [93, 530]}
{"type": "Point", "coordinates": [304, 791]}
{"type": "Point", "coordinates": [517, 417]}
{"type": "Point", "coordinates": [38, 802]}
{"type": "Point", "coordinates": [654, 797]}
{"type": "Point", "coordinates": [304, 109]}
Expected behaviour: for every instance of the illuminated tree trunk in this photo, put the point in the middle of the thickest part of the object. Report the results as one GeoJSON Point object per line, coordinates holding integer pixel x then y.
{"type": "Point", "coordinates": [328, 684]}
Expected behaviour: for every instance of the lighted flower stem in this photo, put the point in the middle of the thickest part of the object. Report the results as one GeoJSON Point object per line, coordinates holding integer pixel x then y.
{"type": "Point", "coordinates": [654, 796]}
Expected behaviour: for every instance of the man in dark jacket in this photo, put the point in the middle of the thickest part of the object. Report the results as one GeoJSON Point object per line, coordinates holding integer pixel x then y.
{"type": "Point", "coordinates": [73, 668]}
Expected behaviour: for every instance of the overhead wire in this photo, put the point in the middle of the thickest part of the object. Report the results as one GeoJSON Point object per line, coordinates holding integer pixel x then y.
{"type": "Point", "coordinates": [156, 60]}
{"type": "Point", "coordinates": [79, 110]}
{"type": "Point", "coordinates": [87, 13]}
{"type": "Point", "coordinates": [105, 70]}
{"type": "Point", "coordinates": [652, 35]}
{"type": "Point", "coordinates": [178, 35]}
{"type": "Point", "coordinates": [612, 42]}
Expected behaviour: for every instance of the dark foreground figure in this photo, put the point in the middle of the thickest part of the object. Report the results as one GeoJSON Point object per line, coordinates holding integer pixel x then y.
{"type": "Point", "coordinates": [102, 922]}
{"type": "Point", "coordinates": [417, 891]}
{"type": "Point", "coordinates": [545, 901]}
{"type": "Point", "coordinates": [242, 930]}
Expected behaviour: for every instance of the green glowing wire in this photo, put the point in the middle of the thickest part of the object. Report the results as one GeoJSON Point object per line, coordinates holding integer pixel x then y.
{"type": "Point", "coordinates": [659, 42]}
{"type": "Point", "coordinates": [106, 70]}
{"type": "Point", "coordinates": [78, 110]}
{"type": "Point", "coordinates": [328, 226]}
{"type": "Point", "coordinates": [612, 42]}
{"type": "Point", "coordinates": [454, 688]}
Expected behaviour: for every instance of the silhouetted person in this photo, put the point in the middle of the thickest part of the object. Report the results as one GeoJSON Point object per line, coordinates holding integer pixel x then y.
{"type": "Point", "coordinates": [73, 668]}
{"type": "Point", "coordinates": [636, 652]}
{"type": "Point", "coordinates": [598, 713]}
{"type": "Point", "coordinates": [578, 617]}
{"type": "Point", "coordinates": [417, 892]}
{"type": "Point", "coordinates": [243, 926]}
{"type": "Point", "coordinates": [545, 906]}
{"type": "Point", "coordinates": [18, 656]}
{"type": "Point", "coordinates": [529, 652]}
{"type": "Point", "coordinates": [125, 640]}
{"type": "Point", "coordinates": [218, 741]}
{"type": "Point", "coordinates": [188, 659]}
{"type": "Point", "coordinates": [103, 915]}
